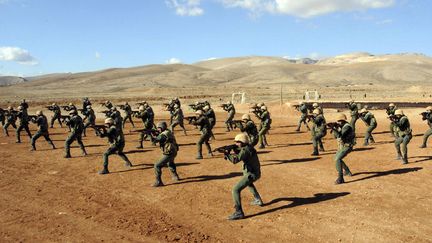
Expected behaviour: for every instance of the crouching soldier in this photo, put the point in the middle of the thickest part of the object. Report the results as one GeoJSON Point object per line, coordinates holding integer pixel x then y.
{"type": "Point", "coordinates": [77, 126]}
{"type": "Point", "coordinates": [117, 143]}
{"type": "Point", "coordinates": [251, 173]}
{"type": "Point", "coordinates": [42, 123]}
{"type": "Point", "coordinates": [169, 147]}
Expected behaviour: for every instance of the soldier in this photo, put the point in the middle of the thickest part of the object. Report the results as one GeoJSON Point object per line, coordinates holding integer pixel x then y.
{"type": "Point", "coordinates": [57, 114]}
{"type": "Point", "coordinates": [265, 126]}
{"type": "Point", "coordinates": [24, 105]}
{"type": "Point", "coordinates": [250, 129]}
{"type": "Point", "coordinates": [205, 129]}
{"type": "Point", "coordinates": [319, 130]}
{"type": "Point", "coordinates": [304, 111]}
{"type": "Point", "coordinates": [317, 106]}
{"type": "Point", "coordinates": [371, 123]}
{"type": "Point", "coordinates": [390, 112]}
{"type": "Point", "coordinates": [42, 123]}
{"type": "Point", "coordinates": [147, 118]}
{"type": "Point", "coordinates": [128, 114]}
{"type": "Point", "coordinates": [108, 104]}
{"type": "Point", "coordinates": [71, 107]}
{"type": "Point", "coordinates": [353, 107]}
{"type": "Point", "coordinates": [251, 173]}
{"type": "Point", "coordinates": [76, 124]}
{"type": "Point", "coordinates": [86, 103]}
{"type": "Point", "coordinates": [229, 107]}
{"type": "Point", "coordinates": [118, 120]}
{"type": "Point", "coordinates": [10, 119]}
{"type": "Point", "coordinates": [2, 116]}
{"type": "Point", "coordinates": [90, 118]}
{"type": "Point", "coordinates": [117, 143]}
{"type": "Point", "coordinates": [210, 114]}
{"type": "Point", "coordinates": [403, 135]}
{"type": "Point", "coordinates": [345, 136]}
{"type": "Point", "coordinates": [23, 123]}
{"type": "Point", "coordinates": [169, 147]}
{"type": "Point", "coordinates": [177, 116]}
{"type": "Point", "coordinates": [428, 117]}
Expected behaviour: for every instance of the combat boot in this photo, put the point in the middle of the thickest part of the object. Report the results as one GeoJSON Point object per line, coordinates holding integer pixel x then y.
{"type": "Point", "coordinates": [238, 214]}
{"type": "Point", "coordinates": [339, 180]}
{"type": "Point", "coordinates": [84, 152]}
{"type": "Point", "coordinates": [140, 146]}
{"type": "Point", "coordinates": [257, 202]}
{"type": "Point", "coordinates": [175, 176]}
{"type": "Point", "coordinates": [347, 173]}
{"type": "Point", "coordinates": [33, 148]}
{"type": "Point", "coordinates": [158, 183]}
{"type": "Point", "coordinates": [128, 164]}
{"type": "Point", "coordinates": [365, 143]}
{"type": "Point", "coordinates": [404, 161]}
{"type": "Point", "coordinates": [399, 156]}
{"type": "Point", "coordinates": [315, 152]}
{"type": "Point", "coordinates": [53, 146]}
{"type": "Point", "coordinates": [199, 156]}
{"type": "Point", "coordinates": [67, 155]}
{"type": "Point", "coordinates": [104, 171]}
{"type": "Point", "coordinates": [422, 146]}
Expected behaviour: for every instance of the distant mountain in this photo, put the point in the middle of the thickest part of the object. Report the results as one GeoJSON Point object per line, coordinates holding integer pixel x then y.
{"type": "Point", "coordinates": [10, 80]}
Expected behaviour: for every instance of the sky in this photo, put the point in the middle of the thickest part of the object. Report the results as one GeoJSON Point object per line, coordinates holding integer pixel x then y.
{"type": "Point", "coordinates": [57, 36]}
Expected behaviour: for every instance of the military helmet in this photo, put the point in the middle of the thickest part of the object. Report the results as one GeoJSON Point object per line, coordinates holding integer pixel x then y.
{"type": "Point", "coordinates": [20, 108]}
{"type": "Point", "coordinates": [316, 111]}
{"type": "Point", "coordinates": [229, 102]}
{"type": "Point", "coordinates": [399, 112]}
{"type": "Point", "coordinates": [107, 101]}
{"type": "Point", "coordinates": [429, 108]}
{"type": "Point", "coordinates": [301, 103]}
{"type": "Point", "coordinates": [162, 125]}
{"type": "Point", "coordinates": [206, 108]}
{"type": "Point", "coordinates": [88, 107]}
{"type": "Point", "coordinates": [391, 105]}
{"type": "Point", "coordinates": [109, 121]}
{"type": "Point", "coordinates": [146, 105]}
{"type": "Point", "coordinates": [264, 108]}
{"type": "Point", "coordinates": [113, 108]}
{"type": "Point", "coordinates": [364, 110]}
{"type": "Point", "coordinates": [341, 117]}
{"type": "Point", "coordinates": [70, 104]}
{"type": "Point", "coordinates": [39, 113]}
{"type": "Point", "coordinates": [315, 105]}
{"type": "Point", "coordinates": [176, 106]}
{"type": "Point", "coordinates": [351, 101]}
{"type": "Point", "coordinates": [260, 104]}
{"type": "Point", "coordinates": [141, 108]}
{"type": "Point", "coordinates": [53, 104]}
{"type": "Point", "coordinates": [246, 117]}
{"type": "Point", "coordinates": [10, 108]}
{"type": "Point", "coordinates": [199, 112]}
{"type": "Point", "coordinates": [126, 103]}
{"type": "Point", "coordinates": [243, 138]}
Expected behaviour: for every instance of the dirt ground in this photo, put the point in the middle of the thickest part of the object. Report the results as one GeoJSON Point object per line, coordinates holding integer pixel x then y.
{"type": "Point", "coordinates": [45, 197]}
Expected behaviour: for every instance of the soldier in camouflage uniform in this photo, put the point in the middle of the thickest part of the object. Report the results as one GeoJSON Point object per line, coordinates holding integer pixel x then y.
{"type": "Point", "coordinates": [205, 129]}
{"type": "Point", "coordinates": [147, 118]}
{"type": "Point", "coordinates": [353, 107]}
{"type": "Point", "coordinates": [169, 147]}
{"type": "Point", "coordinates": [2, 117]}
{"type": "Point", "coordinates": [23, 123]}
{"type": "Point", "coordinates": [345, 136]}
{"type": "Point", "coordinates": [304, 111]}
{"type": "Point", "coordinates": [251, 173]}
{"type": "Point", "coordinates": [210, 114]}
{"type": "Point", "coordinates": [369, 119]}
{"type": "Point", "coordinates": [86, 103]}
{"type": "Point", "coordinates": [10, 120]}
{"type": "Point", "coordinates": [128, 114]}
{"type": "Point", "coordinates": [265, 126]}
{"type": "Point", "coordinates": [71, 107]}
{"type": "Point", "coordinates": [390, 112]}
{"type": "Point", "coordinates": [429, 122]}
{"type": "Point", "coordinates": [250, 129]}
{"type": "Point", "coordinates": [403, 135]}
{"type": "Point", "coordinates": [317, 106]}
{"type": "Point", "coordinates": [77, 126]}
{"type": "Point", "coordinates": [108, 104]}
{"type": "Point", "coordinates": [177, 119]}
{"type": "Point", "coordinates": [229, 107]}
{"type": "Point", "coordinates": [90, 118]}
{"type": "Point", "coordinates": [319, 130]}
{"type": "Point", "coordinates": [57, 114]}
{"type": "Point", "coordinates": [117, 143]}
{"type": "Point", "coordinates": [118, 120]}
{"type": "Point", "coordinates": [42, 123]}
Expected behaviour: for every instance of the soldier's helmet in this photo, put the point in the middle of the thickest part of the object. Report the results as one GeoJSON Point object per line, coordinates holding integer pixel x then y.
{"type": "Point", "coordinates": [260, 104]}
{"type": "Point", "coordinates": [264, 108]}
{"type": "Point", "coordinates": [316, 111]}
{"type": "Point", "coordinates": [176, 106]}
{"type": "Point", "coordinates": [88, 107]}
{"type": "Point", "coordinates": [73, 112]}
{"type": "Point", "coordinates": [162, 125]}
{"type": "Point", "coordinates": [364, 110]}
{"type": "Point", "coordinates": [146, 105]}
{"type": "Point", "coordinates": [399, 112]}
{"type": "Point", "coordinates": [107, 102]}
{"type": "Point", "coordinates": [391, 105]}
{"type": "Point", "coordinates": [246, 117]}
{"type": "Point", "coordinates": [197, 103]}
{"type": "Point", "coordinates": [301, 103]}
{"type": "Point", "coordinates": [315, 105]}
{"type": "Point", "coordinates": [341, 117]}
{"type": "Point", "coordinates": [126, 103]}
{"type": "Point", "coordinates": [109, 121]}
{"type": "Point", "coordinates": [20, 108]}
{"type": "Point", "coordinates": [113, 108]}
{"type": "Point", "coordinates": [429, 108]}
{"type": "Point", "coordinates": [243, 138]}
{"type": "Point", "coordinates": [351, 101]}
{"type": "Point", "coordinates": [39, 113]}
{"type": "Point", "coordinates": [229, 102]}
{"type": "Point", "coordinates": [206, 108]}
{"type": "Point", "coordinates": [53, 104]}
{"type": "Point", "coordinates": [199, 112]}
{"type": "Point", "coordinates": [10, 108]}
{"type": "Point", "coordinates": [141, 108]}
{"type": "Point", "coordinates": [70, 104]}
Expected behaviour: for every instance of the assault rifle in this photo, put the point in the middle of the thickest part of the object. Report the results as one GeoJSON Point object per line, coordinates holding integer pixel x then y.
{"type": "Point", "coordinates": [310, 118]}
{"type": "Point", "coordinates": [99, 129]}
{"type": "Point", "coordinates": [152, 132]}
{"type": "Point", "coordinates": [332, 126]}
{"type": "Point", "coordinates": [237, 123]}
{"type": "Point", "coordinates": [50, 107]}
{"type": "Point", "coordinates": [190, 119]}
{"type": "Point", "coordinates": [424, 115]}
{"type": "Point", "coordinates": [123, 107]}
{"type": "Point", "coordinates": [393, 118]}
{"type": "Point", "coordinates": [141, 103]}
{"type": "Point", "coordinates": [224, 106]}
{"type": "Point", "coordinates": [65, 118]}
{"type": "Point", "coordinates": [107, 113]}
{"type": "Point", "coordinates": [135, 113]}
{"type": "Point", "coordinates": [32, 118]}
{"type": "Point", "coordinates": [65, 107]}
{"type": "Point", "coordinates": [226, 150]}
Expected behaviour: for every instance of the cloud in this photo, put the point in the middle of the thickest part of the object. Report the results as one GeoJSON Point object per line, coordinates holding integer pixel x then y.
{"type": "Point", "coordinates": [186, 7]}
{"type": "Point", "coordinates": [97, 55]}
{"type": "Point", "coordinates": [173, 60]}
{"type": "Point", "coordinates": [18, 55]}
{"type": "Point", "coordinates": [307, 8]}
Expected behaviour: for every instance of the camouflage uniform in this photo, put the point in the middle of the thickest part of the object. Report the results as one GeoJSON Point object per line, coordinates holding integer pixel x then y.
{"type": "Point", "coordinates": [2, 117]}
{"type": "Point", "coordinates": [353, 107]}
{"type": "Point", "coordinates": [370, 121]}
{"type": "Point", "coordinates": [319, 130]}
{"type": "Point", "coordinates": [57, 115]}
{"type": "Point", "coordinates": [91, 119]}
{"type": "Point", "coordinates": [177, 116]}
{"type": "Point", "coordinates": [403, 137]}
{"type": "Point", "coordinates": [42, 123]}
{"type": "Point", "coordinates": [231, 113]}
{"type": "Point", "coordinates": [147, 118]}
{"type": "Point", "coordinates": [77, 126]}
{"type": "Point", "coordinates": [23, 124]}
{"type": "Point", "coordinates": [169, 147]}
{"type": "Point", "coordinates": [429, 131]}
{"type": "Point", "coordinates": [346, 140]}
{"type": "Point", "coordinates": [390, 112]}
{"type": "Point", "coordinates": [10, 121]}
{"type": "Point", "coordinates": [304, 111]}
{"type": "Point", "coordinates": [251, 129]}
{"type": "Point", "coordinates": [264, 128]}
{"type": "Point", "coordinates": [210, 114]}
{"type": "Point", "coordinates": [205, 129]}
{"type": "Point", "coordinates": [128, 115]}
